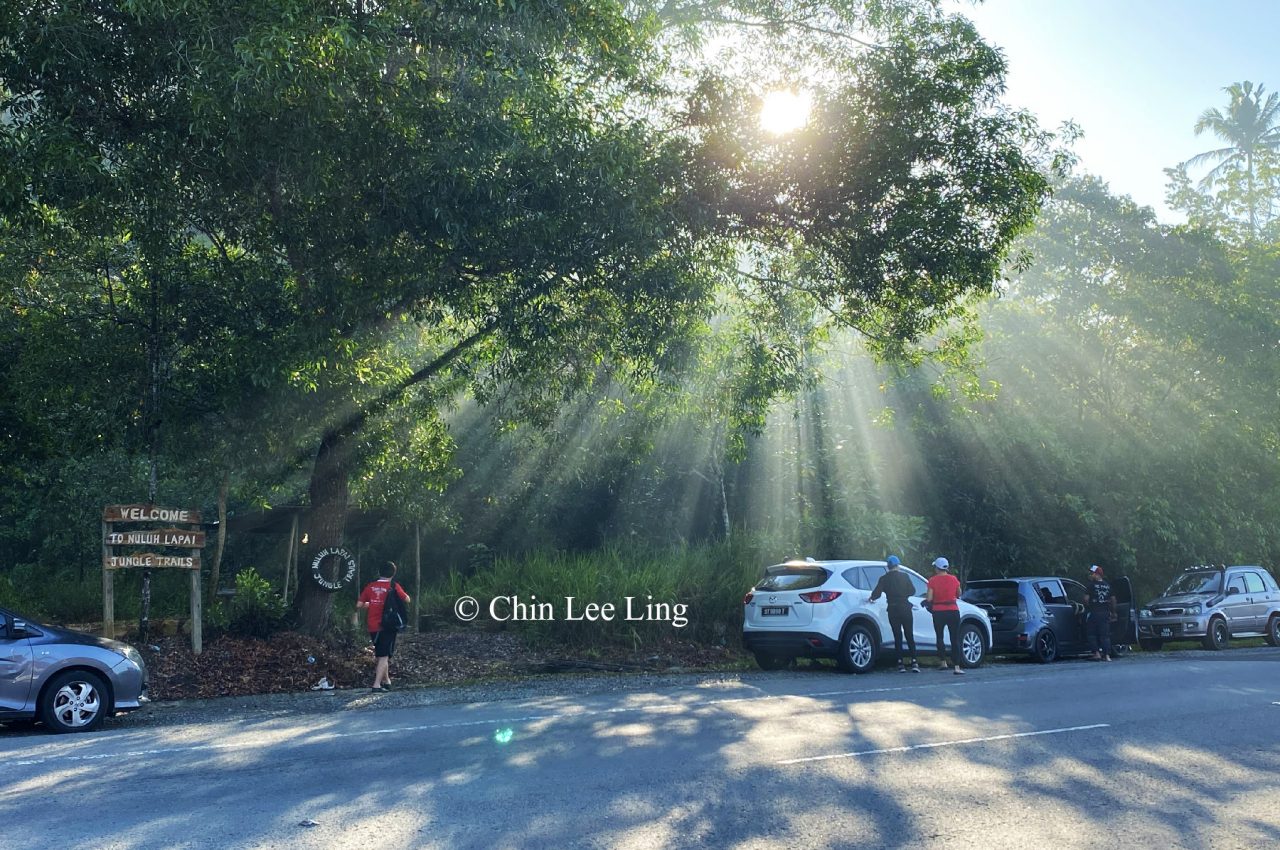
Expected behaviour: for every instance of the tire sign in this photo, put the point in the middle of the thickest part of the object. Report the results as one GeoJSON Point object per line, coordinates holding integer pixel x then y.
{"type": "Point", "coordinates": [346, 573]}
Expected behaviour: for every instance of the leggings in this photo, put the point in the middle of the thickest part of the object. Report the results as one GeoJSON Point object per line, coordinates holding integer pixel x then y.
{"type": "Point", "coordinates": [948, 620]}
{"type": "Point", "coordinates": [901, 623]}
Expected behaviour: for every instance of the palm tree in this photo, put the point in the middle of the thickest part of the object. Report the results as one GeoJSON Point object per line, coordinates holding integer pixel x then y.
{"type": "Point", "coordinates": [1251, 127]}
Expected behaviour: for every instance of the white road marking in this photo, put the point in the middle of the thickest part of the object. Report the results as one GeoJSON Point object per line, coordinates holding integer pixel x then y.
{"type": "Point", "coordinates": [936, 744]}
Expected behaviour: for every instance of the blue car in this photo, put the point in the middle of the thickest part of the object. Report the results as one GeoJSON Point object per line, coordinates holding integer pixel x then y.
{"type": "Point", "coordinates": [1043, 616]}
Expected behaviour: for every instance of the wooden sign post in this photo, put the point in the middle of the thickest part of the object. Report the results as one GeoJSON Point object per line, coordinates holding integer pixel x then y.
{"type": "Point", "coordinates": [172, 547]}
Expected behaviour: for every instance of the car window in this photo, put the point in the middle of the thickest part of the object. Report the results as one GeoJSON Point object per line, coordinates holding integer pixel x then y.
{"type": "Point", "coordinates": [793, 578]}
{"type": "Point", "coordinates": [854, 576]}
{"type": "Point", "coordinates": [4, 626]}
{"type": "Point", "coordinates": [1235, 584]}
{"type": "Point", "coordinates": [1076, 592]}
{"type": "Point", "coordinates": [1253, 583]}
{"type": "Point", "coordinates": [918, 583]}
{"type": "Point", "coordinates": [1001, 595]}
{"type": "Point", "coordinates": [873, 574]}
{"type": "Point", "coordinates": [1050, 592]}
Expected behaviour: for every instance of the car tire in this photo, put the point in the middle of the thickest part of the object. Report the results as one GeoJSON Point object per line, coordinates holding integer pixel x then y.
{"type": "Point", "coordinates": [1273, 630]}
{"type": "Point", "coordinates": [1150, 644]}
{"type": "Point", "coordinates": [858, 650]}
{"type": "Point", "coordinates": [1218, 637]}
{"type": "Point", "coordinates": [771, 661]}
{"type": "Point", "coordinates": [973, 646]}
{"type": "Point", "coordinates": [1045, 648]}
{"type": "Point", "coordinates": [74, 701]}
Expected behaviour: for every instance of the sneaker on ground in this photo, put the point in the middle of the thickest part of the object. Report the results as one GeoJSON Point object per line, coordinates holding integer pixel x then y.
{"type": "Point", "coordinates": [915, 667]}
{"type": "Point", "coordinates": [959, 671]}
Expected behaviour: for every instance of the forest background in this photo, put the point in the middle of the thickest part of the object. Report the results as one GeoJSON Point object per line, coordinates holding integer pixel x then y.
{"type": "Point", "coordinates": [525, 287]}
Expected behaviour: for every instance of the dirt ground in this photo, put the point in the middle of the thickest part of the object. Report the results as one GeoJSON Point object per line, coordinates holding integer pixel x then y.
{"type": "Point", "coordinates": [289, 662]}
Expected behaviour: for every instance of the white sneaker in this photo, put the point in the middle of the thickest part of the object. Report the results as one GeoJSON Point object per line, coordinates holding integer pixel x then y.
{"type": "Point", "coordinates": [323, 685]}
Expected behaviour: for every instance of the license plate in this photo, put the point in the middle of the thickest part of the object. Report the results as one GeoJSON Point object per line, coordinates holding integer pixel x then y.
{"type": "Point", "coordinates": [773, 611]}
{"type": "Point", "coordinates": [1166, 632]}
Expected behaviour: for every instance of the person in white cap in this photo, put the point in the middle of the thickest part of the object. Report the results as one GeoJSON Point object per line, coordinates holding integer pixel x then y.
{"type": "Point", "coordinates": [941, 597]}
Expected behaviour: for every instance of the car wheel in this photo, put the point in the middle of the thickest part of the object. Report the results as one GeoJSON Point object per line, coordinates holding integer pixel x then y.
{"type": "Point", "coordinates": [857, 650]}
{"type": "Point", "coordinates": [74, 701]}
{"type": "Point", "coordinates": [1273, 630]}
{"type": "Point", "coordinates": [770, 661]}
{"type": "Point", "coordinates": [1150, 644]}
{"type": "Point", "coordinates": [1046, 646]}
{"type": "Point", "coordinates": [972, 647]}
{"type": "Point", "coordinates": [1217, 637]}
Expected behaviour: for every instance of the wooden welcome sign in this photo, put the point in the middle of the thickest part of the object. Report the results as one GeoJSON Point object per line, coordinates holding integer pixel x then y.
{"type": "Point", "coordinates": [140, 520]}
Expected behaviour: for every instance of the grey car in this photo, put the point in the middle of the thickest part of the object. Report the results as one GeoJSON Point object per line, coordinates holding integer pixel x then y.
{"type": "Point", "coordinates": [1213, 605]}
{"type": "Point", "coordinates": [68, 680]}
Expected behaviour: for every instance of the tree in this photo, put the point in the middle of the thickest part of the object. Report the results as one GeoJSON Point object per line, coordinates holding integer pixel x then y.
{"type": "Point", "coordinates": [386, 205]}
{"type": "Point", "coordinates": [1251, 127]}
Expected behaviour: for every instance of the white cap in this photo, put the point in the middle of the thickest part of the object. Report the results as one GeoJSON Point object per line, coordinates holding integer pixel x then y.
{"type": "Point", "coordinates": [941, 564]}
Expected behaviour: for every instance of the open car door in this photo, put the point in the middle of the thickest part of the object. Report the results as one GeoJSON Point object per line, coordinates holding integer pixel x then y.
{"type": "Point", "coordinates": [1124, 631]}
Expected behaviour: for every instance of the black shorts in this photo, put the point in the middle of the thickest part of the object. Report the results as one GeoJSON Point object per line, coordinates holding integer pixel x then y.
{"type": "Point", "coordinates": [384, 643]}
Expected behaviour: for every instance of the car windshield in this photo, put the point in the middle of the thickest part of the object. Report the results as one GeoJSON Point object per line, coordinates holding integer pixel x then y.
{"type": "Point", "coordinates": [1204, 581]}
{"type": "Point", "coordinates": [793, 578]}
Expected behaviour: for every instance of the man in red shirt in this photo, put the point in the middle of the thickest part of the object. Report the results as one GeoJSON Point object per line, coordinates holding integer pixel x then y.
{"type": "Point", "coordinates": [941, 596]}
{"type": "Point", "coordinates": [373, 599]}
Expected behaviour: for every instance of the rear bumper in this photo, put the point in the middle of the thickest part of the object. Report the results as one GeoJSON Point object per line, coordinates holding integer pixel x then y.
{"type": "Point", "coordinates": [790, 643]}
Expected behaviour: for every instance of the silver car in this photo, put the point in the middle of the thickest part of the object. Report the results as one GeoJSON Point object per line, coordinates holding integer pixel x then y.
{"type": "Point", "coordinates": [68, 680]}
{"type": "Point", "coordinates": [1213, 605]}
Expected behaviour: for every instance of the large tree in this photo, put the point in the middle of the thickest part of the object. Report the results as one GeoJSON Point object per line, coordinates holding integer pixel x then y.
{"type": "Point", "coordinates": [1251, 128]}
{"type": "Point", "coordinates": [322, 220]}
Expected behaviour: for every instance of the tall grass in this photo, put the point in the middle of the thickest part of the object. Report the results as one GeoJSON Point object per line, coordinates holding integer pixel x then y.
{"type": "Point", "coordinates": [708, 580]}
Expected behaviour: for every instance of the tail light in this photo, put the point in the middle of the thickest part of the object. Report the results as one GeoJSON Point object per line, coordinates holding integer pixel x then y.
{"type": "Point", "coordinates": [746, 600]}
{"type": "Point", "coordinates": [1022, 611]}
{"type": "Point", "coordinates": [820, 596]}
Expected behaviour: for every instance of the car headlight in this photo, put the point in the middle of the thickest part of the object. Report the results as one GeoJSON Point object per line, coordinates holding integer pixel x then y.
{"type": "Point", "coordinates": [134, 656]}
{"type": "Point", "coordinates": [1144, 613]}
{"type": "Point", "coordinates": [1192, 609]}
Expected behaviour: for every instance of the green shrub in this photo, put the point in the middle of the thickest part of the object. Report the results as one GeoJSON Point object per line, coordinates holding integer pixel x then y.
{"type": "Point", "coordinates": [255, 611]}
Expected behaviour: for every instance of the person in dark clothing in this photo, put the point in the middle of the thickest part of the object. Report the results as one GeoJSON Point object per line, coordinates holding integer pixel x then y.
{"type": "Point", "coordinates": [897, 590]}
{"type": "Point", "coordinates": [1100, 614]}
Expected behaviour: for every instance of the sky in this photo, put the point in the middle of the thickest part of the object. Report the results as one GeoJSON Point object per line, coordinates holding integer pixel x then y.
{"type": "Point", "coordinates": [1134, 74]}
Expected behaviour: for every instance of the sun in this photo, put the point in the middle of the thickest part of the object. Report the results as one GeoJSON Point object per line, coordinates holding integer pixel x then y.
{"type": "Point", "coordinates": [784, 111]}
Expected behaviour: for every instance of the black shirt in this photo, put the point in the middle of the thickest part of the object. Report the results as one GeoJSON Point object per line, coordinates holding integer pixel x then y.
{"type": "Point", "coordinates": [897, 587]}
{"type": "Point", "coordinates": [1100, 596]}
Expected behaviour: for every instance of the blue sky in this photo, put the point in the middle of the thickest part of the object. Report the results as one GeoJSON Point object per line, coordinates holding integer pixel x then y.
{"type": "Point", "coordinates": [1134, 74]}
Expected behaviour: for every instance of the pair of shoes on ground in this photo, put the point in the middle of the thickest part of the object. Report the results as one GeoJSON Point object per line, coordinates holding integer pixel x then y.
{"type": "Point", "coordinates": [382, 689]}
{"type": "Point", "coordinates": [914, 668]}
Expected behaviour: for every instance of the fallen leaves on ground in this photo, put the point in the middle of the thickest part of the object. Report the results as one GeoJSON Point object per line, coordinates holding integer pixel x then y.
{"type": "Point", "coordinates": [289, 662]}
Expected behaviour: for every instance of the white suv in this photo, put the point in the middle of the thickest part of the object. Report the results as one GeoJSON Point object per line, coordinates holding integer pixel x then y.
{"type": "Point", "coordinates": [823, 609]}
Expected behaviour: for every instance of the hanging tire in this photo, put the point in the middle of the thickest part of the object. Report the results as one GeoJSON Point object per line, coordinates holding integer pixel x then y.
{"type": "Point", "coordinates": [858, 649]}
{"type": "Point", "coordinates": [1273, 630]}
{"type": "Point", "coordinates": [771, 661]}
{"type": "Point", "coordinates": [1045, 649]}
{"type": "Point", "coordinates": [1218, 637]}
{"type": "Point", "coordinates": [74, 701]}
{"type": "Point", "coordinates": [1150, 644]}
{"type": "Point", "coordinates": [973, 647]}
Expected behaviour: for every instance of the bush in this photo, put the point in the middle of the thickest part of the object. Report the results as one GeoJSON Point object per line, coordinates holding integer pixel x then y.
{"type": "Point", "coordinates": [255, 611]}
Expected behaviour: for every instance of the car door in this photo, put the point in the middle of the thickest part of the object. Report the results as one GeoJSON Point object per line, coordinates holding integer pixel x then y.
{"type": "Point", "coordinates": [1123, 630]}
{"type": "Point", "coordinates": [921, 620]}
{"type": "Point", "coordinates": [1256, 594]}
{"type": "Point", "coordinates": [1075, 638]}
{"type": "Point", "coordinates": [1058, 609]}
{"type": "Point", "coordinates": [1236, 606]}
{"type": "Point", "coordinates": [15, 668]}
{"type": "Point", "coordinates": [871, 576]}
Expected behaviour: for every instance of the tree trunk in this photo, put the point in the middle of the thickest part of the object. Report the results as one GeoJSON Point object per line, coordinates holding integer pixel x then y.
{"type": "Point", "coordinates": [324, 526]}
{"type": "Point", "coordinates": [215, 570]}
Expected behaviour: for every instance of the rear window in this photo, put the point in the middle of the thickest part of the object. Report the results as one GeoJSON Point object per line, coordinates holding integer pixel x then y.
{"type": "Point", "coordinates": [1003, 595]}
{"type": "Point", "coordinates": [793, 578]}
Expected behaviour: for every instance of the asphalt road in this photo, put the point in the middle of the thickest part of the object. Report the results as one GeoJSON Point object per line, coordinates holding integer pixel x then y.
{"type": "Point", "coordinates": [1165, 751]}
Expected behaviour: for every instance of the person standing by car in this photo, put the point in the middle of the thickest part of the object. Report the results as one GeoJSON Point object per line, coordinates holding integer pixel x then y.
{"type": "Point", "coordinates": [1100, 614]}
{"type": "Point", "coordinates": [374, 599]}
{"type": "Point", "coordinates": [941, 597]}
{"type": "Point", "coordinates": [897, 590]}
